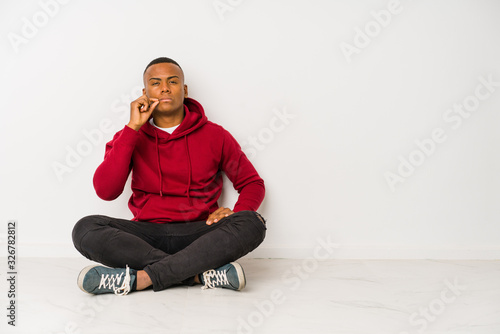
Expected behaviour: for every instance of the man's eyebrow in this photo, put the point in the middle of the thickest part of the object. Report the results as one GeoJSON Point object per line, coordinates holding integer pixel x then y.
{"type": "Point", "coordinates": [159, 79]}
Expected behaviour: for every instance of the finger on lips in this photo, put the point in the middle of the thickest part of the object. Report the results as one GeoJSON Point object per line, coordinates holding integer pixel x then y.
{"type": "Point", "coordinates": [146, 103]}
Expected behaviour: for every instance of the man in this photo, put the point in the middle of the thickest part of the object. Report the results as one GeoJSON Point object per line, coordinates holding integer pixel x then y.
{"type": "Point", "coordinates": [179, 234]}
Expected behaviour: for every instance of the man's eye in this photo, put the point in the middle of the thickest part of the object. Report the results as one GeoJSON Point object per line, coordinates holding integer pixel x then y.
{"type": "Point", "coordinates": [173, 82]}
{"type": "Point", "coordinates": [155, 83]}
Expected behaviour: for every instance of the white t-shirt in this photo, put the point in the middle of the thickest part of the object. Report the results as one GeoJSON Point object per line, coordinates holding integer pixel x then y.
{"type": "Point", "coordinates": [169, 130]}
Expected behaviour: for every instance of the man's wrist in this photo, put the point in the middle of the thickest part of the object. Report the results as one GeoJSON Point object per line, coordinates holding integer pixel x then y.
{"type": "Point", "coordinates": [134, 126]}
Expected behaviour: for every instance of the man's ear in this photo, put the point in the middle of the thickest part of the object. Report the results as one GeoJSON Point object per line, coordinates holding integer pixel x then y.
{"type": "Point", "coordinates": [185, 90]}
{"type": "Point", "coordinates": [143, 91]}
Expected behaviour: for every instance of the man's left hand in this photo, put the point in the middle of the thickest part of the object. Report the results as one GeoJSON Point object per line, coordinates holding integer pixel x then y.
{"type": "Point", "coordinates": [218, 215]}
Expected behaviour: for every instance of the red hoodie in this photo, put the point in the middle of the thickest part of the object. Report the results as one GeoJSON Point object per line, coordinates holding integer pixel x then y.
{"type": "Point", "coordinates": [177, 177]}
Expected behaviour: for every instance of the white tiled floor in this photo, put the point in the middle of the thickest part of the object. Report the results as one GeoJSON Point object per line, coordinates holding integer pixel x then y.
{"type": "Point", "coordinates": [282, 296]}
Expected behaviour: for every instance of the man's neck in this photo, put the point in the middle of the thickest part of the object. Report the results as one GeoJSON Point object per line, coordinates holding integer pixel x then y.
{"type": "Point", "coordinates": [168, 121]}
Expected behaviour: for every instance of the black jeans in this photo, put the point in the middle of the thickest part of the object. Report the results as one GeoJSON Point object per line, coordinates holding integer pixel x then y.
{"type": "Point", "coordinates": [172, 253]}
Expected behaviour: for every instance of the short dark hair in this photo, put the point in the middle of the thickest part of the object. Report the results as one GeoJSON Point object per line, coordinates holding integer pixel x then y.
{"type": "Point", "coordinates": [162, 60]}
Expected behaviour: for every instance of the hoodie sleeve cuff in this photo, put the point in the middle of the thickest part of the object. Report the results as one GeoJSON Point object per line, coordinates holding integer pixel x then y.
{"type": "Point", "coordinates": [128, 136]}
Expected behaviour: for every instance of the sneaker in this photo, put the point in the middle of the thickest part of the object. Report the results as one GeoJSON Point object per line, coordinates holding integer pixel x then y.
{"type": "Point", "coordinates": [230, 276]}
{"type": "Point", "coordinates": [98, 279]}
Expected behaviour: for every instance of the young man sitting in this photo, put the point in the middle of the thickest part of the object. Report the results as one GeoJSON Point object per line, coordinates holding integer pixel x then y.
{"type": "Point", "coordinates": [179, 234]}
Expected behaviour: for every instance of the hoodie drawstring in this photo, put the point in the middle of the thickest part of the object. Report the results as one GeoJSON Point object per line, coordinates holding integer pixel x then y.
{"type": "Point", "coordinates": [189, 171]}
{"type": "Point", "coordinates": [159, 166]}
{"type": "Point", "coordinates": [189, 167]}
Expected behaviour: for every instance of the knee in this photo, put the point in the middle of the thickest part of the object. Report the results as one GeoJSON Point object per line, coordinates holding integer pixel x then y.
{"type": "Point", "coordinates": [254, 223]}
{"type": "Point", "coordinates": [82, 227]}
{"type": "Point", "coordinates": [252, 216]}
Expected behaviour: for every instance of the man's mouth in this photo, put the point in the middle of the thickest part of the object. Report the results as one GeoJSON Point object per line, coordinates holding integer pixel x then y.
{"type": "Point", "coordinates": [166, 100]}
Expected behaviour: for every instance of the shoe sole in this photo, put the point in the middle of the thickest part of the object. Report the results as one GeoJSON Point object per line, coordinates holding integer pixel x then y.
{"type": "Point", "coordinates": [241, 275]}
{"type": "Point", "coordinates": [81, 276]}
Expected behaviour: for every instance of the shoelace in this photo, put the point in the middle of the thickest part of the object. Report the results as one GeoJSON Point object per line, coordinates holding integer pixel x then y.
{"type": "Point", "coordinates": [214, 278]}
{"type": "Point", "coordinates": [109, 281]}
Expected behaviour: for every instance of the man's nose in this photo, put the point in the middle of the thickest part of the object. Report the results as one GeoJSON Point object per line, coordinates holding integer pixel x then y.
{"type": "Point", "coordinates": [165, 87]}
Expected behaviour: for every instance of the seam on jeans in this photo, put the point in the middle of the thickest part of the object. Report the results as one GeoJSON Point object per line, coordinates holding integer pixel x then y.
{"type": "Point", "coordinates": [80, 248]}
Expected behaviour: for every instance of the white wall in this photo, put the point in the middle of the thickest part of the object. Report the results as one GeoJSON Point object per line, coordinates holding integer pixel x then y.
{"type": "Point", "coordinates": [351, 117]}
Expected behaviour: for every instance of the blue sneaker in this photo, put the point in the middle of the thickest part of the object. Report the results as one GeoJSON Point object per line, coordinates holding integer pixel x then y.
{"type": "Point", "coordinates": [229, 276]}
{"type": "Point", "coordinates": [98, 279]}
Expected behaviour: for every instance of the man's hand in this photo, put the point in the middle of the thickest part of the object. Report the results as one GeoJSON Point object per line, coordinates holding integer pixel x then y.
{"type": "Point", "coordinates": [140, 111]}
{"type": "Point", "coordinates": [218, 215]}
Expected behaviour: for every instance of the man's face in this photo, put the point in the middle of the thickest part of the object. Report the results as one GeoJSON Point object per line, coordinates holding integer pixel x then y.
{"type": "Point", "coordinates": [165, 81]}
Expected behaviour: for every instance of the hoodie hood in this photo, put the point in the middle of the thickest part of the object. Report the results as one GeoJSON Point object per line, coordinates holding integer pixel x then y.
{"type": "Point", "coordinates": [194, 118]}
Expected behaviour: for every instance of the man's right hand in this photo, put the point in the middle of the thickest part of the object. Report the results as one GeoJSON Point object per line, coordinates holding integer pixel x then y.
{"type": "Point", "coordinates": [140, 111]}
